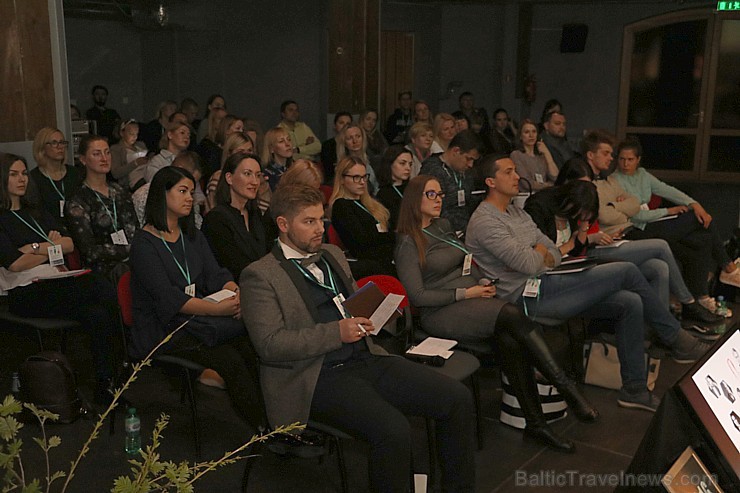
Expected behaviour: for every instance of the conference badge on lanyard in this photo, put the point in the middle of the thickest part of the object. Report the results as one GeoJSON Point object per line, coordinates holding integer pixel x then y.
{"type": "Point", "coordinates": [56, 256]}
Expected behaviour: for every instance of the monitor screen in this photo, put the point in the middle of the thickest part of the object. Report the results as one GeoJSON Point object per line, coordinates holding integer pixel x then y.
{"type": "Point", "coordinates": [712, 388]}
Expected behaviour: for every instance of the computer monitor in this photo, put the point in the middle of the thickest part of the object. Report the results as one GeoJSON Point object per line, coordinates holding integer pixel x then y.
{"type": "Point", "coordinates": [712, 389]}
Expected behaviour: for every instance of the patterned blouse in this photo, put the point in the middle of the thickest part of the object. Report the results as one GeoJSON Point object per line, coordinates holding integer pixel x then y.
{"type": "Point", "coordinates": [92, 218]}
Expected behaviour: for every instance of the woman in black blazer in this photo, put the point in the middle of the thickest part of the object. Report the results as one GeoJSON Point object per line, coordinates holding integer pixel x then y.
{"type": "Point", "coordinates": [235, 228]}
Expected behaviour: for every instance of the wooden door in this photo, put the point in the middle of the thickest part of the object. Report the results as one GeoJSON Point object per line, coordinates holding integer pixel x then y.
{"type": "Point", "coordinates": [396, 68]}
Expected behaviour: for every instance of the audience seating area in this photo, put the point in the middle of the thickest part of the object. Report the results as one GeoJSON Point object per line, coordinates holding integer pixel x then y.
{"type": "Point", "coordinates": [208, 422]}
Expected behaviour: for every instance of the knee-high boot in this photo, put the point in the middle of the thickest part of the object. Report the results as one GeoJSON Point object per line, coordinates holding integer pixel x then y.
{"type": "Point", "coordinates": [515, 364]}
{"type": "Point", "coordinates": [529, 335]}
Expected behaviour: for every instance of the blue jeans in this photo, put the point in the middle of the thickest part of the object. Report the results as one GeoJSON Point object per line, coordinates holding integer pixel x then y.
{"type": "Point", "coordinates": [617, 291]}
{"type": "Point", "coordinates": [656, 262]}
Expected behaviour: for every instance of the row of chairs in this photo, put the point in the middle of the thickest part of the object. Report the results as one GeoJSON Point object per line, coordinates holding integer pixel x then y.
{"type": "Point", "coordinates": [463, 366]}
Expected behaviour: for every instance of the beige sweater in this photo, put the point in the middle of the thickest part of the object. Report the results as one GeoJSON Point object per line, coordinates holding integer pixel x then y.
{"type": "Point", "coordinates": [614, 215]}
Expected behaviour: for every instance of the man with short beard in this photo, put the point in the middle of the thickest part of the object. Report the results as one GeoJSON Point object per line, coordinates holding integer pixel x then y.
{"type": "Point", "coordinates": [317, 362]}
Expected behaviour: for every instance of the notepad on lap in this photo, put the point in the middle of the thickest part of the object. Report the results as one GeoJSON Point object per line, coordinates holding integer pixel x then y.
{"type": "Point", "coordinates": [434, 346]}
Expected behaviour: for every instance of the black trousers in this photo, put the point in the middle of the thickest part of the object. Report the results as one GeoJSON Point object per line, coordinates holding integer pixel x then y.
{"type": "Point", "coordinates": [89, 299]}
{"type": "Point", "coordinates": [235, 360]}
{"type": "Point", "coordinates": [370, 396]}
{"type": "Point", "coordinates": [696, 247]}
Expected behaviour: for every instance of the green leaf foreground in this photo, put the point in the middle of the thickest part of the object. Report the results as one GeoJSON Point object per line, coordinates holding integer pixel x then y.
{"type": "Point", "coordinates": [148, 473]}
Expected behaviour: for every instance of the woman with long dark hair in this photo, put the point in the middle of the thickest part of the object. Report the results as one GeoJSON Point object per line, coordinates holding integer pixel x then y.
{"type": "Point", "coordinates": [172, 271]}
{"type": "Point", "coordinates": [455, 302]}
{"type": "Point", "coordinates": [32, 246]}
{"type": "Point", "coordinates": [394, 173]}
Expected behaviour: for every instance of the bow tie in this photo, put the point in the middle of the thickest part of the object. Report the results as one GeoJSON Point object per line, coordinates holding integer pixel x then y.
{"type": "Point", "coordinates": [311, 260]}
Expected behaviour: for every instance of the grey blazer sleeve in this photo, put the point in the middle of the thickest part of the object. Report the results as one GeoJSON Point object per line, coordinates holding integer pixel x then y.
{"type": "Point", "coordinates": [279, 325]}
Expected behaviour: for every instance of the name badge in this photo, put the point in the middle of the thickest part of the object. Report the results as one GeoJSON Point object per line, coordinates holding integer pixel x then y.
{"type": "Point", "coordinates": [539, 178]}
{"type": "Point", "coordinates": [467, 264]}
{"type": "Point", "coordinates": [532, 288]}
{"type": "Point", "coordinates": [381, 228]}
{"type": "Point", "coordinates": [119, 238]}
{"type": "Point", "coordinates": [338, 300]}
{"type": "Point", "coordinates": [56, 257]}
{"type": "Point", "coordinates": [460, 198]}
{"type": "Point", "coordinates": [61, 208]}
{"type": "Point", "coordinates": [190, 290]}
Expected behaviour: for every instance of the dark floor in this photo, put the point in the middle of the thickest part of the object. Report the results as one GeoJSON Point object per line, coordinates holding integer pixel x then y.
{"type": "Point", "coordinates": [603, 447]}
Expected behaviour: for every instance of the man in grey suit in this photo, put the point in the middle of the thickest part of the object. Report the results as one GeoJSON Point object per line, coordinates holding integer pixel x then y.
{"type": "Point", "coordinates": [317, 362]}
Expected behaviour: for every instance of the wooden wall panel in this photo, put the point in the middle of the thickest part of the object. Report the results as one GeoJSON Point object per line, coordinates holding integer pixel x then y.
{"type": "Point", "coordinates": [354, 29]}
{"type": "Point", "coordinates": [27, 81]}
{"type": "Point", "coordinates": [11, 85]}
{"type": "Point", "coordinates": [397, 72]}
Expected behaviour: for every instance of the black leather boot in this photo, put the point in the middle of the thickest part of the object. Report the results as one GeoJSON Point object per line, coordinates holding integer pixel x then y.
{"type": "Point", "coordinates": [515, 365]}
{"type": "Point", "coordinates": [529, 335]}
{"type": "Point", "coordinates": [545, 362]}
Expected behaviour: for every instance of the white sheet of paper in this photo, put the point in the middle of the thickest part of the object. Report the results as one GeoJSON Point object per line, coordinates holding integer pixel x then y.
{"type": "Point", "coordinates": [616, 244]}
{"type": "Point", "coordinates": [434, 346]}
{"type": "Point", "coordinates": [384, 311]}
{"type": "Point", "coordinates": [219, 296]}
{"type": "Point", "coordinates": [665, 218]}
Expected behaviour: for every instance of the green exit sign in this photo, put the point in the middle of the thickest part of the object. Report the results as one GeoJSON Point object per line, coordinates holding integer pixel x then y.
{"type": "Point", "coordinates": [728, 5]}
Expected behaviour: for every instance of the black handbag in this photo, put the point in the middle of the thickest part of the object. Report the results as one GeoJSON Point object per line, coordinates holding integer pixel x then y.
{"type": "Point", "coordinates": [48, 382]}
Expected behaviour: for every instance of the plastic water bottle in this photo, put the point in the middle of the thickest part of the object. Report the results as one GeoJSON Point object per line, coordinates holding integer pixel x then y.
{"type": "Point", "coordinates": [15, 386]}
{"type": "Point", "coordinates": [133, 432]}
{"type": "Point", "coordinates": [721, 306]}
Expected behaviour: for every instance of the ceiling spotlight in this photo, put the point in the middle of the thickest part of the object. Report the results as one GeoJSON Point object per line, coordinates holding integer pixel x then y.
{"type": "Point", "coordinates": [161, 15]}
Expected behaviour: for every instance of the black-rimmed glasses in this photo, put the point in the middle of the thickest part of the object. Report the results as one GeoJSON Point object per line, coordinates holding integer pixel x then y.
{"type": "Point", "coordinates": [58, 143]}
{"type": "Point", "coordinates": [433, 194]}
{"type": "Point", "coordinates": [358, 178]}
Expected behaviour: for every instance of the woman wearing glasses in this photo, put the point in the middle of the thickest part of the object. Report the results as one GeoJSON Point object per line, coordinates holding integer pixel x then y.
{"type": "Point", "coordinates": [32, 246]}
{"type": "Point", "coordinates": [234, 227]}
{"type": "Point", "coordinates": [361, 221]}
{"type": "Point", "coordinates": [442, 280]}
{"type": "Point", "coordinates": [56, 181]}
{"type": "Point", "coordinates": [352, 142]}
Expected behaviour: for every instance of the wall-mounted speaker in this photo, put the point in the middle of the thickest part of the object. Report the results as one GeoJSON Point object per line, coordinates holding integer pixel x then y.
{"type": "Point", "coordinates": [573, 39]}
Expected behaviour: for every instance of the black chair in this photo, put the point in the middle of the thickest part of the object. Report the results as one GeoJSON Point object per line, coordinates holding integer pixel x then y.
{"type": "Point", "coordinates": [39, 326]}
{"type": "Point", "coordinates": [187, 369]}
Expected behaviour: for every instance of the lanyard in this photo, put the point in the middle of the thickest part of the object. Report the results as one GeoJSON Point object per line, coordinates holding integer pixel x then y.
{"type": "Point", "coordinates": [457, 176]}
{"type": "Point", "coordinates": [332, 285]}
{"type": "Point", "coordinates": [453, 243]}
{"type": "Point", "coordinates": [358, 204]}
{"type": "Point", "coordinates": [397, 191]}
{"type": "Point", "coordinates": [38, 230]}
{"type": "Point", "coordinates": [419, 155]}
{"type": "Point", "coordinates": [185, 272]}
{"type": "Point", "coordinates": [53, 184]}
{"type": "Point", "coordinates": [114, 217]}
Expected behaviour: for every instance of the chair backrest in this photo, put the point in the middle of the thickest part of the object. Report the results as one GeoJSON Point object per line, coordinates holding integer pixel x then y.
{"type": "Point", "coordinates": [327, 191]}
{"type": "Point", "coordinates": [125, 300]}
{"type": "Point", "coordinates": [73, 259]}
{"type": "Point", "coordinates": [387, 284]}
{"type": "Point", "coordinates": [334, 238]}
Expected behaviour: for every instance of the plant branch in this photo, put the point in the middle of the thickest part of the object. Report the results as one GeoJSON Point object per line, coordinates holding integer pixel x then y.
{"type": "Point", "coordinates": [137, 367]}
